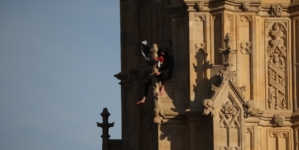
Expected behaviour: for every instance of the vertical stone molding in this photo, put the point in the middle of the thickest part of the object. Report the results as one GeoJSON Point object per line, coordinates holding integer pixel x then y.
{"type": "Point", "coordinates": [277, 54]}
{"type": "Point", "coordinates": [279, 139]}
{"type": "Point", "coordinates": [249, 137]}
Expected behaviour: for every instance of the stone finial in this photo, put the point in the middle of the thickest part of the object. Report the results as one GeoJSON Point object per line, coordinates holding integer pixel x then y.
{"type": "Point", "coordinates": [227, 51]}
{"type": "Point", "coordinates": [105, 128]}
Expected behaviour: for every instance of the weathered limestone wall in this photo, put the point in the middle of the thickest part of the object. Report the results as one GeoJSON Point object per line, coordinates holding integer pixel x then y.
{"type": "Point", "coordinates": [264, 67]}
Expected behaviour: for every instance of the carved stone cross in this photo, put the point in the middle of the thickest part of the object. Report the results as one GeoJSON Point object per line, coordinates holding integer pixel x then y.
{"type": "Point", "coordinates": [105, 128]}
{"type": "Point", "coordinates": [227, 51]}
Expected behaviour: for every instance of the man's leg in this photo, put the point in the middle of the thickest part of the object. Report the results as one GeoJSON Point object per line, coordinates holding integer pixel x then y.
{"type": "Point", "coordinates": [145, 92]}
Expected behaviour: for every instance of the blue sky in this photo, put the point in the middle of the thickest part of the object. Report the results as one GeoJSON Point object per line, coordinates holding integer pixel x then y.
{"type": "Point", "coordinates": [57, 61]}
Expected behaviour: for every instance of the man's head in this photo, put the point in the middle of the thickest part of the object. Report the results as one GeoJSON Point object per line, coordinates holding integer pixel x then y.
{"type": "Point", "coordinates": [162, 51]}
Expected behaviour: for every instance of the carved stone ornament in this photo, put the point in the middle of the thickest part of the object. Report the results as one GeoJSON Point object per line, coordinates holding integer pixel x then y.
{"type": "Point", "coordinates": [245, 47]}
{"type": "Point", "coordinates": [230, 148]}
{"type": "Point", "coordinates": [259, 9]}
{"type": "Point", "coordinates": [242, 89]}
{"type": "Point", "coordinates": [198, 17]}
{"type": "Point", "coordinates": [227, 51]}
{"type": "Point", "coordinates": [228, 109]}
{"type": "Point", "coordinates": [216, 89]}
{"type": "Point", "coordinates": [278, 120]}
{"type": "Point", "coordinates": [225, 75]}
{"type": "Point", "coordinates": [198, 6]}
{"type": "Point", "coordinates": [208, 107]}
{"type": "Point", "coordinates": [277, 54]}
{"type": "Point", "coordinates": [250, 110]}
{"type": "Point", "coordinates": [275, 10]}
{"type": "Point", "coordinates": [228, 75]}
{"type": "Point", "coordinates": [245, 6]}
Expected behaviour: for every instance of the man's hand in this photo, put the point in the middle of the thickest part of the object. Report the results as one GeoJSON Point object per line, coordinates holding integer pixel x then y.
{"type": "Point", "coordinates": [158, 73]}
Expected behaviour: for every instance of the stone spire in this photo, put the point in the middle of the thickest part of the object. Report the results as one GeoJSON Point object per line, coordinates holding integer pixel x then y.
{"type": "Point", "coordinates": [105, 128]}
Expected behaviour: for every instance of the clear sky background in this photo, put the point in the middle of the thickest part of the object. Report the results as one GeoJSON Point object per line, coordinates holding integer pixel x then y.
{"type": "Point", "coordinates": [57, 61]}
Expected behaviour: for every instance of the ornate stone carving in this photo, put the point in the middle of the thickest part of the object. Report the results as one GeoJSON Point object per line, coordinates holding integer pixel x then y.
{"type": "Point", "coordinates": [249, 129]}
{"type": "Point", "coordinates": [278, 120]}
{"type": "Point", "coordinates": [276, 51]}
{"type": "Point", "coordinates": [229, 148]}
{"type": "Point", "coordinates": [228, 109]}
{"type": "Point", "coordinates": [227, 51]}
{"type": "Point", "coordinates": [228, 75]}
{"type": "Point", "coordinates": [214, 88]}
{"type": "Point", "coordinates": [278, 134]}
{"type": "Point", "coordinates": [273, 134]}
{"type": "Point", "coordinates": [275, 10]}
{"type": "Point", "coordinates": [198, 6]}
{"type": "Point", "coordinates": [208, 107]}
{"type": "Point", "coordinates": [245, 18]}
{"type": "Point", "coordinates": [259, 10]}
{"type": "Point", "coordinates": [229, 17]}
{"type": "Point", "coordinates": [245, 47]}
{"type": "Point", "coordinates": [284, 135]}
{"type": "Point", "coordinates": [242, 89]}
{"type": "Point", "coordinates": [245, 6]}
{"type": "Point", "coordinates": [250, 110]}
{"type": "Point", "coordinates": [198, 17]}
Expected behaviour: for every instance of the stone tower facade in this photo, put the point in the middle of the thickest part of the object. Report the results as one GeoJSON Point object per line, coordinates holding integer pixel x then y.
{"type": "Point", "coordinates": [235, 83]}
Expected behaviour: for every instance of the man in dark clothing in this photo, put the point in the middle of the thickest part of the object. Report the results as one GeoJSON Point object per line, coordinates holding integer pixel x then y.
{"type": "Point", "coordinates": [164, 73]}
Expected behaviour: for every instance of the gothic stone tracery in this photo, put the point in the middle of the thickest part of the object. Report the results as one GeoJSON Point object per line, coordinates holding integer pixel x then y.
{"type": "Point", "coordinates": [277, 53]}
